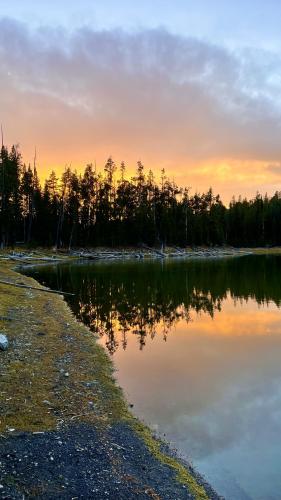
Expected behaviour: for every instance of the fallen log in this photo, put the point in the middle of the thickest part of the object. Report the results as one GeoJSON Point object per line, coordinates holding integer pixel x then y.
{"type": "Point", "coordinates": [46, 290]}
{"type": "Point", "coordinates": [155, 251]}
{"type": "Point", "coordinates": [26, 259]}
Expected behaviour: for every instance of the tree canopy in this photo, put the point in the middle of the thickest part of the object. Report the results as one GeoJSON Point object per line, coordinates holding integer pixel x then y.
{"type": "Point", "coordinates": [107, 208]}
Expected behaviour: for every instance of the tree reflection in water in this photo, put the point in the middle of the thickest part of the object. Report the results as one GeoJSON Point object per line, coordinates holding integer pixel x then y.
{"type": "Point", "coordinates": [141, 298]}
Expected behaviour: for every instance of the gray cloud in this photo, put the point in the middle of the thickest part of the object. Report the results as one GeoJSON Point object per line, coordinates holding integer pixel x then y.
{"type": "Point", "coordinates": [169, 99]}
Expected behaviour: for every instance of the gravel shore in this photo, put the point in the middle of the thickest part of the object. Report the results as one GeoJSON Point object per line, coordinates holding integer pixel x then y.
{"type": "Point", "coordinates": [83, 462]}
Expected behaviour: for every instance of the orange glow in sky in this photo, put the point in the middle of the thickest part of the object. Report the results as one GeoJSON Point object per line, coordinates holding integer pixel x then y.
{"type": "Point", "coordinates": [208, 113]}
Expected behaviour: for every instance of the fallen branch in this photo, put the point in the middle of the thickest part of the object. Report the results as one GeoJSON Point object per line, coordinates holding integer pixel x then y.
{"type": "Point", "coordinates": [158, 252]}
{"type": "Point", "coordinates": [36, 288]}
{"type": "Point", "coordinates": [26, 259]}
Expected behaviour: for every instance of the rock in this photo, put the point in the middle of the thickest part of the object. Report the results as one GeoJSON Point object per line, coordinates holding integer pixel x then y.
{"type": "Point", "coordinates": [4, 343]}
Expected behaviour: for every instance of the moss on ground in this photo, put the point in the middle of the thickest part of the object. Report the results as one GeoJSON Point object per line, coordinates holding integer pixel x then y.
{"type": "Point", "coordinates": [182, 474]}
{"type": "Point", "coordinates": [55, 373]}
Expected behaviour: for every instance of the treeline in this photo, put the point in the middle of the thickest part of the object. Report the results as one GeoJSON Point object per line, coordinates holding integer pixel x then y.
{"type": "Point", "coordinates": [107, 208]}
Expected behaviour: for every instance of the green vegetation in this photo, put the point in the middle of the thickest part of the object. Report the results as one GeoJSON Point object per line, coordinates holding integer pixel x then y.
{"type": "Point", "coordinates": [106, 208]}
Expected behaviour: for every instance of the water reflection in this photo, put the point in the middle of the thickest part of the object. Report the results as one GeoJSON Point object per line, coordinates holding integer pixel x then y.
{"type": "Point", "coordinates": [214, 386]}
{"type": "Point", "coordinates": [145, 298]}
{"type": "Point", "coordinates": [215, 391]}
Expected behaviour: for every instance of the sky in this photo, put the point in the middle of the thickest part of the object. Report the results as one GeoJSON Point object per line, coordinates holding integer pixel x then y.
{"type": "Point", "coordinates": [192, 86]}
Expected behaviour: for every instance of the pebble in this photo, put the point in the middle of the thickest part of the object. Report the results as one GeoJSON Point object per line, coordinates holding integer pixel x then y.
{"type": "Point", "coordinates": [4, 343]}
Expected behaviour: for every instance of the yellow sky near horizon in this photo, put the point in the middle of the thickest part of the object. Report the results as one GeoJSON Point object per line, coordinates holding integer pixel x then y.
{"type": "Point", "coordinates": [227, 177]}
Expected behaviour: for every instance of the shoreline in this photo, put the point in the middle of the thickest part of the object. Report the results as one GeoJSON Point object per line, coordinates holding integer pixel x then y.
{"type": "Point", "coordinates": [154, 253]}
{"type": "Point", "coordinates": [41, 256]}
{"type": "Point", "coordinates": [58, 387]}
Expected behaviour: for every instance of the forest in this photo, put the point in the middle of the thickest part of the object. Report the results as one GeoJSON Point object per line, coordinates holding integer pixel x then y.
{"type": "Point", "coordinates": [106, 208]}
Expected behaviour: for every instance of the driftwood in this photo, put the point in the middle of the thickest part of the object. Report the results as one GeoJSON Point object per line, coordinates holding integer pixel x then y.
{"type": "Point", "coordinates": [155, 251]}
{"type": "Point", "coordinates": [46, 290]}
{"type": "Point", "coordinates": [26, 259]}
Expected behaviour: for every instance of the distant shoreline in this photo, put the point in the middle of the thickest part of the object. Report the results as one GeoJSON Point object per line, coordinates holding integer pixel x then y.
{"type": "Point", "coordinates": [156, 253]}
{"type": "Point", "coordinates": [46, 255]}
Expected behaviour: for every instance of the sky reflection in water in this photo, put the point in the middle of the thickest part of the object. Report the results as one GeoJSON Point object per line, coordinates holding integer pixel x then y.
{"type": "Point", "coordinates": [213, 386]}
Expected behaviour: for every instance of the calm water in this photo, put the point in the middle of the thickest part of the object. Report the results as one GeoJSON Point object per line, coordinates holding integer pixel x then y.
{"type": "Point", "coordinates": [197, 347]}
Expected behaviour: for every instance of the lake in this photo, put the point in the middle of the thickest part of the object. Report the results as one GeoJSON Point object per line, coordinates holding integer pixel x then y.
{"type": "Point", "coordinates": [197, 349]}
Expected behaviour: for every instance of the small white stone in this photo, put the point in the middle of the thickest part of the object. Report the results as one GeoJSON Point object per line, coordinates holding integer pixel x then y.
{"type": "Point", "coordinates": [4, 343]}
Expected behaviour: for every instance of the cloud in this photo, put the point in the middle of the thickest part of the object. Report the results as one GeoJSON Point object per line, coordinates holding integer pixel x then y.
{"type": "Point", "coordinates": [173, 101]}
{"type": "Point", "coordinates": [275, 169]}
